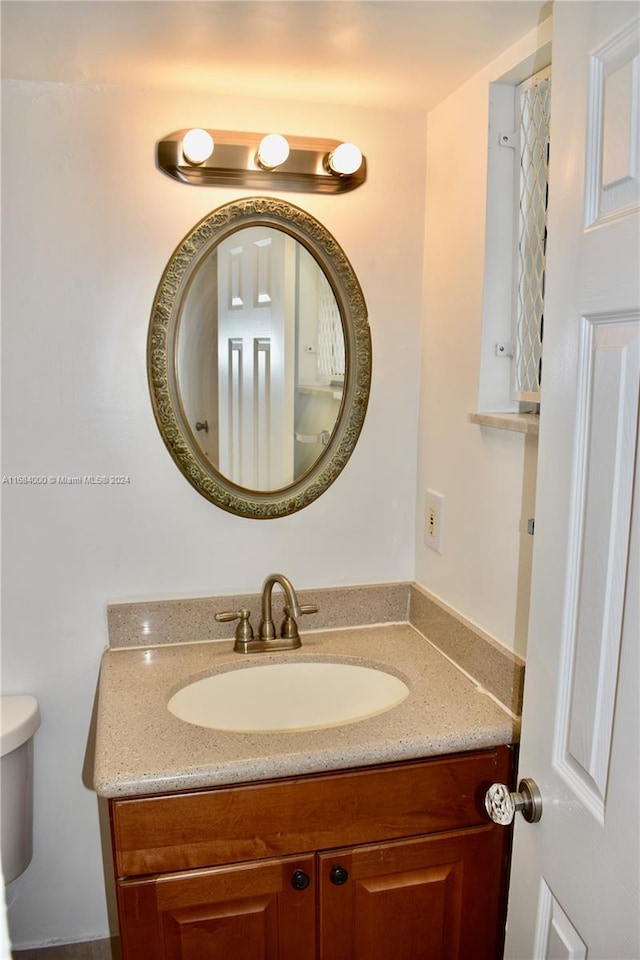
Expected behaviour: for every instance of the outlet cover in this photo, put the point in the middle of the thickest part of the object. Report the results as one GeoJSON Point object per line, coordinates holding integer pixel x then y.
{"type": "Point", "coordinates": [434, 520]}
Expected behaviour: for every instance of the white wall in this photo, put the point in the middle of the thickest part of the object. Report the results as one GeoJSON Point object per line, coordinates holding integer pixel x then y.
{"type": "Point", "coordinates": [88, 225]}
{"type": "Point", "coordinates": [481, 573]}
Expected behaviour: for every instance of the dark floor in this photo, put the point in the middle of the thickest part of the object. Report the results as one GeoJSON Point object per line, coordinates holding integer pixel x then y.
{"type": "Point", "coordinates": [88, 950]}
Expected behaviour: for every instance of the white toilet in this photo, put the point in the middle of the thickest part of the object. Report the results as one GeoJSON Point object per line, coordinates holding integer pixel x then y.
{"type": "Point", "coordinates": [20, 718]}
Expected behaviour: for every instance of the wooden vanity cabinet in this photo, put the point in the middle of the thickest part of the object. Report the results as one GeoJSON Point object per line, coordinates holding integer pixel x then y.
{"type": "Point", "coordinates": [394, 862]}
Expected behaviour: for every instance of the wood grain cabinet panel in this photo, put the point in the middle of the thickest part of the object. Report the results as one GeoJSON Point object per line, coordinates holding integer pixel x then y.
{"type": "Point", "coordinates": [233, 824]}
{"type": "Point", "coordinates": [396, 862]}
{"type": "Point", "coordinates": [430, 899]}
{"type": "Point", "coordinates": [247, 911]}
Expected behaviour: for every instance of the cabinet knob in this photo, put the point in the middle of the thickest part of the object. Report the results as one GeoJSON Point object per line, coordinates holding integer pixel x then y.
{"type": "Point", "coordinates": [300, 880]}
{"type": "Point", "coordinates": [338, 876]}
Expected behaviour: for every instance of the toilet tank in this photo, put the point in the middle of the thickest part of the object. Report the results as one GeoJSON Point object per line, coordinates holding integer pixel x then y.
{"type": "Point", "coordinates": [20, 718]}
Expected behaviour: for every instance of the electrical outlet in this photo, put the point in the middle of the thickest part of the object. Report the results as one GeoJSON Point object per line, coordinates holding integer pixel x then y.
{"type": "Point", "coordinates": [434, 520]}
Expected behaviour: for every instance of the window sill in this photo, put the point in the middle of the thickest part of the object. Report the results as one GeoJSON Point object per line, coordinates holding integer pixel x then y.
{"type": "Point", "coordinates": [516, 422]}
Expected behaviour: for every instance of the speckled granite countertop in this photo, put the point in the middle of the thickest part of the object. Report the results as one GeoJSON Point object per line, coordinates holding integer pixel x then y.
{"type": "Point", "coordinates": [141, 748]}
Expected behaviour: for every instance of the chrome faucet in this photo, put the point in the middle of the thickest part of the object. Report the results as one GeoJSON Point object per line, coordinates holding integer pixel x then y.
{"type": "Point", "coordinates": [267, 640]}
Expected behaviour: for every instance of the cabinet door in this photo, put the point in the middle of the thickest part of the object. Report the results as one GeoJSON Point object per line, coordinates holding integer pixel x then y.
{"type": "Point", "coordinates": [435, 898]}
{"type": "Point", "coordinates": [246, 911]}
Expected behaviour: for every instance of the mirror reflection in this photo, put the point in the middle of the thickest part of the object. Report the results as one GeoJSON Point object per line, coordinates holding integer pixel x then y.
{"type": "Point", "coordinates": [260, 358]}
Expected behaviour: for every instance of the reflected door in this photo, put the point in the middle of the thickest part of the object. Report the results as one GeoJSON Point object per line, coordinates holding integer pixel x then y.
{"type": "Point", "coordinates": [256, 337]}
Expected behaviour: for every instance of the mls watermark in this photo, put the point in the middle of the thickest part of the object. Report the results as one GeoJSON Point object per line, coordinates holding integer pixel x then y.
{"type": "Point", "coordinates": [59, 480]}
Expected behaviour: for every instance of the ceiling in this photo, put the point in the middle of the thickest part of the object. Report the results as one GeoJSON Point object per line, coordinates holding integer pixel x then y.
{"type": "Point", "coordinates": [393, 54]}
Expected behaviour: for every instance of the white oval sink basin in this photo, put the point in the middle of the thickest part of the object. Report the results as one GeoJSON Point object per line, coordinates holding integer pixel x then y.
{"type": "Point", "coordinates": [306, 695]}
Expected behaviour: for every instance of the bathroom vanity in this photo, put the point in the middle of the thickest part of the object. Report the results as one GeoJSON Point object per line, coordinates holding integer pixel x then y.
{"type": "Point", "coordinates": [394, 861]}
{"type": "Point", "coordinates": [361, 841]}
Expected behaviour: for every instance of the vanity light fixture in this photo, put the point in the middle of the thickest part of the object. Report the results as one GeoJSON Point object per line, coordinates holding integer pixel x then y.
{"type": "Point", "coordinates": [255, 160]}
{"type": "Point", "coordinates": [345, 160]}
{"type": "Point", "coordinates": [272, 152]}
{"type": "Point", "coordinates": [197, 146]}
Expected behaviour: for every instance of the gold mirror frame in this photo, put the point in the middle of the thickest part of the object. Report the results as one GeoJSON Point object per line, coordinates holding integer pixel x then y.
{"type": "Point", "coordinates": [161, 357]}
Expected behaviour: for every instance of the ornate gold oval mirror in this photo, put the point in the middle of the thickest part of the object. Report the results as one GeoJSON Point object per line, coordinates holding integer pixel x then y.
{"type": "Point", "coordinates": [259, 358]}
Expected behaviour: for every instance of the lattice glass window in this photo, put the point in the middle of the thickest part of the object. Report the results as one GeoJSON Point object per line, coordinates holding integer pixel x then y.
{"type": "Point", "coordinates": [533, 101]}
{"type": "Point", "coordinates": [330, 334]}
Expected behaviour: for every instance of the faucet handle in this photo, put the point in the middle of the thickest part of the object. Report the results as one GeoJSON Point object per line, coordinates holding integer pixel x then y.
{"type": "Point", "coordinates": [308, 608]}
{"type": "Point", "coordinates": [244, 630]}
{"type": "Point", "coordinates": [303, 608]}
{"type": "Point", "coordinates": [289, 629]}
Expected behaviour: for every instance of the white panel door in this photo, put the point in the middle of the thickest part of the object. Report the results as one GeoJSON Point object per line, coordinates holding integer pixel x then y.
{"type": "Point", "coordinates": [256, 343]}
{"type": "Point", "coordinates": [575, 888]}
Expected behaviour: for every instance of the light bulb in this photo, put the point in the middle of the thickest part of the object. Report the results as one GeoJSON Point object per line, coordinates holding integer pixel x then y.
{"type": "Point", "coordinates": [345, 159]}
{"type": "Point", "coordinates": [197, 146]}
{"type": "Point", "coordinates": [273, 151]}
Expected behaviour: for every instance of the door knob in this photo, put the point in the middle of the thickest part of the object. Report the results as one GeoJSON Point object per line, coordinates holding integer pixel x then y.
{"type": "Point", "coordinates": [502, 805]}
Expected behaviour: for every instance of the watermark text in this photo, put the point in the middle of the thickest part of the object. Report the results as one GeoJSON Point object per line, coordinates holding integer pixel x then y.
{"type": "Point", "coordinates": [60, 480]}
